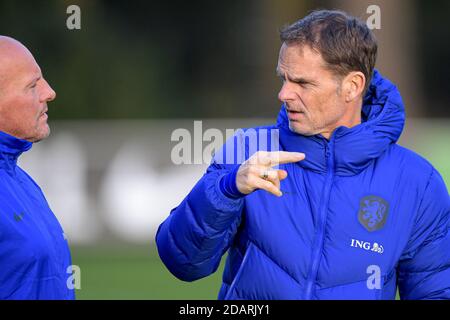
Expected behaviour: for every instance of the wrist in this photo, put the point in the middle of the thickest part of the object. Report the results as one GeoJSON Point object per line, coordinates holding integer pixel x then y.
{"type": "Point", "coordinates": [228, 185]}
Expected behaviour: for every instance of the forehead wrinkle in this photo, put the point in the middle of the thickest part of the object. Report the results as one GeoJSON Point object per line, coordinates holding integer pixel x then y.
{"type": "Point", "coordinates": [303, 52]}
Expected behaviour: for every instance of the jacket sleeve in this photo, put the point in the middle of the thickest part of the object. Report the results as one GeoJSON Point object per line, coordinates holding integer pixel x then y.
{"type": "Point", "coordinates": [424, 269]}
{"type": "Point", "coordinates": [192, 240]}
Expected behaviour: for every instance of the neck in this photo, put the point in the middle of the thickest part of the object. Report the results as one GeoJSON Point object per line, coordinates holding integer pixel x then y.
{"type": "Point", "coordinates": [349, 120]}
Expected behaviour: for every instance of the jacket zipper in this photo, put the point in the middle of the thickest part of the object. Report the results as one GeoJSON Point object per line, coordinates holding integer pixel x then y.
{"type": "Point", "coordinates": [322, 218]}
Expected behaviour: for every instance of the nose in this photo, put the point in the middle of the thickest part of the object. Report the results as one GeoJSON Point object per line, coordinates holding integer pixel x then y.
{"type": "Point", "coordinates": [48, 94]}
{"type": "Point", "coordinates": [286, 92]}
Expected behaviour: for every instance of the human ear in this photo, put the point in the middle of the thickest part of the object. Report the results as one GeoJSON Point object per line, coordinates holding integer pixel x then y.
{"type": "Point", "coordinates": [354, 84]}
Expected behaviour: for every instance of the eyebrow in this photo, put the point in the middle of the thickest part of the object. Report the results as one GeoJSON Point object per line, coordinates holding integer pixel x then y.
{"type": "Point", "coordinates": [294, 78]}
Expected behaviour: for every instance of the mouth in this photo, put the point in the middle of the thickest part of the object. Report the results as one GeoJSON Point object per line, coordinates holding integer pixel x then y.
{"type": "Point", "coordinates": [294, 115]}
{"type": "Point", "coordinates": [44, 114]}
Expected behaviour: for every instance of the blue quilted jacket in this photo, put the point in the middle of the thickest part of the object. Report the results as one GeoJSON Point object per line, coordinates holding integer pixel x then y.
{"type": "Point", "coordinates": [34, 253]}
{"type": "Point", "coordinates": [359, 217]}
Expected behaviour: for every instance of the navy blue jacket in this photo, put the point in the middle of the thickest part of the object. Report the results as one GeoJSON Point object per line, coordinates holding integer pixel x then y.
{"type": "Point", "coordinates": [359, 216]}
{"type": "Point", "coordinates": [34, 254]}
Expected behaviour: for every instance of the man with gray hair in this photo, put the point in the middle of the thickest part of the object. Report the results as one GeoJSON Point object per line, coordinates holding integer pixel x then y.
{"type": "Point", "coordinates": [347, 213]}
{"type": "Point", "coordinates": [35, 260]}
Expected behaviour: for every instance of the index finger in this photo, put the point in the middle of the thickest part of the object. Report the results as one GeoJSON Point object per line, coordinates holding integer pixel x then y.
{"type": "Point", "coordinates": [282, 157]}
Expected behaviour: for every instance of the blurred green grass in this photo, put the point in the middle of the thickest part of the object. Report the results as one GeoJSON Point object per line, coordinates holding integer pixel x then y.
{"type": "Point", "coordinates": [135, 272]}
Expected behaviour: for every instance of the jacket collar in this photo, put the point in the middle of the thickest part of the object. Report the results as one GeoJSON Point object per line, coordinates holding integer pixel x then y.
{"type": "Point", "coordinates": [383, 118]}
{"type": "Point", "coordinates": [11, 148]}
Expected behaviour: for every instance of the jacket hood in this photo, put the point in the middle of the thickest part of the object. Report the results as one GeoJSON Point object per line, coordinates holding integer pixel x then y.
{"type": "Point", "coordinates": [383, 119]}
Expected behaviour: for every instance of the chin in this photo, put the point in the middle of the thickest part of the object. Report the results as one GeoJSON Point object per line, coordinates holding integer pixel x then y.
{"type": "Point", "coordinates": [41, 135]}
{"type": "Point", "coordinates": [297, 128]}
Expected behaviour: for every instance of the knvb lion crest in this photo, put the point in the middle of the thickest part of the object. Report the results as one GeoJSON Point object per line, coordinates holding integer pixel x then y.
{"type": "Point", "coordinates": [373, 212]}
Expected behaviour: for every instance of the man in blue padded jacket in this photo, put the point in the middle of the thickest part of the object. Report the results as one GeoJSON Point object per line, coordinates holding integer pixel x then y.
{"type": "Point", "coordinates": [35, 260]}
{"type": "Point", "coordinates": [340, 211]}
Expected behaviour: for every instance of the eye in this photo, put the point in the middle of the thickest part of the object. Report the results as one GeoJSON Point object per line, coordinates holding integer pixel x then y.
{"type": "Point", "coordinates": [33, 85]}
{"type": "Point", "coordinates": [302, 84]}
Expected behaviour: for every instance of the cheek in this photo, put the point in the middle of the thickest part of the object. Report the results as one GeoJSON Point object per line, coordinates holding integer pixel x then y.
{"type": "Point", "coordinates": [25, 110]}
{"type": "Point", "coordinates": [314, 104]}
{"type": "Point", "coordinates": [30, 106]}
{"type": "Point", "coordinates": [324, 108]}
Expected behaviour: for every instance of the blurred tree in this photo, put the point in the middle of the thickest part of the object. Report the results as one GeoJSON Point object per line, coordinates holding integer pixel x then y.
{"type": "Point", "coordinates": [434, 55]}
{"type": "Point", "coordinates": [144, 59]}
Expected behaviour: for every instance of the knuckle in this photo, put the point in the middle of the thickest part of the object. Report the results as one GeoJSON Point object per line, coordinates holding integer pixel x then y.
{"type": "Point", "coordinates": [252, 169]}
{"type": "Point", "coordinates": [273, 175]}
{"type": "Point", "coordinates": [269, 186]}
{"type": "Point", "coordinates": [259, 154]}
